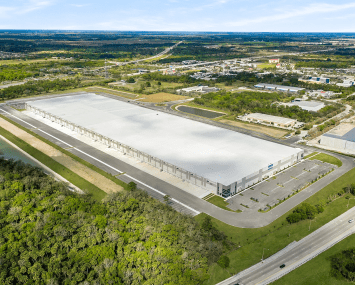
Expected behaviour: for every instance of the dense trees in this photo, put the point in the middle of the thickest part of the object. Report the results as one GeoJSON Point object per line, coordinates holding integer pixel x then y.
{"type": "Point", "coordinates": [343, 265]}
{"type": "Point", "coordinates": [52, 236]}
{"type": "Point", "coordinates": [303, 212]}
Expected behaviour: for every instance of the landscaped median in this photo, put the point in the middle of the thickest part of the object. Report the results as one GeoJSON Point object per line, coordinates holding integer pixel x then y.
{"type": "Point", "coordinates": [327, 158]}
{"type": "Point", "coordinates": [76, 173]}
{"type": "Point", "coordinates": [219, 202]}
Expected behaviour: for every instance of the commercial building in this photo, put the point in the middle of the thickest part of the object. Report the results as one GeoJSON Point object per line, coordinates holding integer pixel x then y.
{"type": "Point", "coordinates": [198, 89]}
{"type": "Point", "coordinates": [270, 120]}
{"type": "Point", "coordinates": [220, 160]}
{"type": "Point", "coordinates": [278, 87]}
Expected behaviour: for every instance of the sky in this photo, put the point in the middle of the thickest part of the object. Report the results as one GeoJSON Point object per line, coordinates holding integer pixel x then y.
{"type": "Point", "coordinates": [180, 15]}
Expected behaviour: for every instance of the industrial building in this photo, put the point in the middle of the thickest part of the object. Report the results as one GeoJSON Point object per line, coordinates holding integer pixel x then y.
{"type": "Point", "coordinates": [278, 87]}
{"type": "Point", "coordinates": [319, 80]}
{"type": "Point", "coordinates": [198, 89]}
{"type": "Point", "coordinates": [341, 138]}
{"type": "Point", "coordinates": [270, 120]}
{"type": "Point", "coordinates": [313, 106]}
{"type": "Point", "coordinates": [274, 60]}
{"type": "Point", "coordinates": [220, 160]}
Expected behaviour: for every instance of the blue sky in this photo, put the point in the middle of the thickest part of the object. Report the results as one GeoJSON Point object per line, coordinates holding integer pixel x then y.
{"type": "Point", "coordinates": [180, 15]}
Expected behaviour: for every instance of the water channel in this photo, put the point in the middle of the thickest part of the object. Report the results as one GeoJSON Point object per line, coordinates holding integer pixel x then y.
{"type": "Point", "coordinates": [200, 112]}
{"type": "Point", "coordinates": [8, 151]}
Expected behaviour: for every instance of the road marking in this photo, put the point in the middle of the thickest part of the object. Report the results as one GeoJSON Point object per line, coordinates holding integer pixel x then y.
{"type": "Point", "coordinates": [303, 258]}
{"type": "Point", "coordinates": [104, 163]}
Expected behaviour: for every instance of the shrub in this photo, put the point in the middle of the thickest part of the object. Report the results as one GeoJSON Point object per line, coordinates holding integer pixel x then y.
{"type": "Point", "coordinates": [223, 261]}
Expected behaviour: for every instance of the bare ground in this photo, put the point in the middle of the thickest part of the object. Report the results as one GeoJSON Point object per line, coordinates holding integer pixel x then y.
{"type": "Point", "coordinates": [88, 174]}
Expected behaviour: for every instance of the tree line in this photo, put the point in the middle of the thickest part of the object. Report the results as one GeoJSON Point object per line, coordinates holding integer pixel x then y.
{"type": "Point", "coordinates": [50, 235]}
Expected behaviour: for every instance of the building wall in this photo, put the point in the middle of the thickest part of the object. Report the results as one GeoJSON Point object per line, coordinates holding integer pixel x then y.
{"type": "Point", "coordinates": [337, 143]}
{"type": "Point", "coordinates": [183, 174]}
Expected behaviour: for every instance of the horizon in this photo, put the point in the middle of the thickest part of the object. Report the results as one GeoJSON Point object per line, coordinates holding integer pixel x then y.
{"type": "Point", "coordinates": [180, 15]}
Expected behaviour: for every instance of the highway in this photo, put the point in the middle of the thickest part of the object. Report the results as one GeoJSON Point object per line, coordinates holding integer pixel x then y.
{"type": "Point", "coordinates": [148, 58]}
{"type": "Point", "coordinates": [296, 253]}
{"type": "Point", "coordinates": [157, 188]}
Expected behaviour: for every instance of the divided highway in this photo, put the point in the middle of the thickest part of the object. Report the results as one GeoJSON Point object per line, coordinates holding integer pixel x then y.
{"type": "Point", "coordinates": [296, 253]}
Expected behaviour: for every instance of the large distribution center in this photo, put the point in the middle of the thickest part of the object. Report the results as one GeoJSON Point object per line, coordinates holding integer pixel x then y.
{"type": "Point", "coordinates": [214, 158]}
{"type": "Point", "coordinates": [341, 138]}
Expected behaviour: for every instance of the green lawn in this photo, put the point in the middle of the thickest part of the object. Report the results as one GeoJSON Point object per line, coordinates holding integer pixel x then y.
{"type": "Point", "coordinates": [316, 271]}
{"type": "Point", "coordinates": [219, 202]}
{"type": "Point", "coordinates": [72, 177]}
{"type": "Point", "coordinates": [279, 233]}
{"type": "Point", "coordinates": [327, 158]}
{"type": "Point", "coordinates": [311, 154]}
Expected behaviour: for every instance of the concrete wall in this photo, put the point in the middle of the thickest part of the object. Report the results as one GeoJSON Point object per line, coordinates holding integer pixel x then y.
{"type": "Point", "coordinates": [337, 143]}
{"type": "Point", "coordinates": [183, 174]}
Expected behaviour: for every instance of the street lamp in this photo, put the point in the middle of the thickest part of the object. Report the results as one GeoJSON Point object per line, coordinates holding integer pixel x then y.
{"type": "Point", "coordinates": [262, 258]}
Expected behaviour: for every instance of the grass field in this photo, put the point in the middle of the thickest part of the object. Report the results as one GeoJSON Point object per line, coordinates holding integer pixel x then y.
{"type": "Point", "coordinates": [316, 271]}
{"type": "Point", "coordinates": [219, 202]}
{"type": "Point", "coordinates": [311, 154]}
{"type": "Point", "coordinates": [273, 132]}
{"type": "Point", "coordinates": [279, 233]}
{"type": "Point", "coordinates": [266, 65]}
{"type": "Point", "coordinates": [327, 158]}
{"type": "Point", "coordinates": [111, 91]}
{"type": "Point", "coordinates": [75, 179]}
{"type": "Point", "coordinates": [162, 97]}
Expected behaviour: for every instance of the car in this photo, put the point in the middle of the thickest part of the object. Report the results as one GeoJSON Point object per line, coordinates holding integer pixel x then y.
{"type": "Point", "coordinates": [350, 221]}
{"type": "Point", "coordinates": [282, 265]}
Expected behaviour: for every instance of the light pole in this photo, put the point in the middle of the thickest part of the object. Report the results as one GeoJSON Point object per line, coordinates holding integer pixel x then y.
{"type": "Point", "coordinates": [309, 229]}
{"type": "Point", "coordinates": [262, 258]}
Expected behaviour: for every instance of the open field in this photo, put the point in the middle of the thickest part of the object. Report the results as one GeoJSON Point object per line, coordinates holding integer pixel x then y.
{"type": "Point", "coordinates": [111, 91]}
{"type": "Point", "coordinates": [327, 158]}
{"type": "Point", "coordinates": [276, 133]}
{"type": "Point", "coordinates": [266, 65]}
{"type": "Point", "coordinates": [81, 170]}
{"type": "Point", "coordinates": [317, 270]}
{"type": "Point", "coordinates": [162, 97]}
{"type": "Point", "coordinates": [20, 61]}
{"type": "Point", "coordinates": [279, 233]}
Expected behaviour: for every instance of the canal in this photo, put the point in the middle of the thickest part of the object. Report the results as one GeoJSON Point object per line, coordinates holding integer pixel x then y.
{"type": "Point", "coordinates": [8, 151]}
{"type": "Point", "coordinates": [200, 112]}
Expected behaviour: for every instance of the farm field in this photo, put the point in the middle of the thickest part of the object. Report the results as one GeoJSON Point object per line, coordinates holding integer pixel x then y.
{"type": "Point", "coordinates": [162, 97]}
{"type": "Point", "coordinates": [261, 129]}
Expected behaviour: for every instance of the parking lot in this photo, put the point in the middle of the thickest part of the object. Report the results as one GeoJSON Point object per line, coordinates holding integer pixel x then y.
{"type": "Point", "coordinates": [275, 189]}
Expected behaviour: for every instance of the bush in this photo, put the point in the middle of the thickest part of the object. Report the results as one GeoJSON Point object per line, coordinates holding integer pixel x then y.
{"type": "Point", "coordinates": [132, 186]}
{"type": "Point", "coordinates": [131, 80]}
{"type": "Point", "coordinates": [223, 261]}
{"type": "Point", "coordinates": [303, 212]}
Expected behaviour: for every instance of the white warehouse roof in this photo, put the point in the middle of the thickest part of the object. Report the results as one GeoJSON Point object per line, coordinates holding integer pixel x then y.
{"type": "Point", "coordinates": [271, 118]}
{"type": "Point", "coordinates": [215, 153]}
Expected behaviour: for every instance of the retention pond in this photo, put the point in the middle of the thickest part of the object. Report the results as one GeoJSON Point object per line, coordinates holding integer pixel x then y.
{"type": "Point", "coordinates": [200, 112]}
{"type": "Point", "coordinates": [7, 151]}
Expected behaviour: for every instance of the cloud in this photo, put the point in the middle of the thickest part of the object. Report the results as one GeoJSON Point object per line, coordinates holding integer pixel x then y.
{"type": "Point", "coordinates": [79, 5]}
{"type": "Point", "coordinates": [283, 14]}
{"type": "Point", "coordinates": [26, 7]}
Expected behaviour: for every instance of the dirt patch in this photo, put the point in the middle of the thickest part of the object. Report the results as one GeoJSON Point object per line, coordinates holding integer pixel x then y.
{"type": "Point", "coordinates": [261, 129]}
{"type": "Point", "coordinates": [88, 174]}
{"type": "Point", "coordinates": [162, 97]}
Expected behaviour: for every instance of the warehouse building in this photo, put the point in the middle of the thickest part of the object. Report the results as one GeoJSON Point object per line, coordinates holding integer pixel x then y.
{"type": "Point", "coordinates": [220, 160]}
{"type": "Point", "coordinates": [278, 87]}
{"type": "Point", "coordinates": [341, 138]}
{"type": "Point", "coordinates": [313, 106]}
{"type": "Point", "coordinates": [270, 120]}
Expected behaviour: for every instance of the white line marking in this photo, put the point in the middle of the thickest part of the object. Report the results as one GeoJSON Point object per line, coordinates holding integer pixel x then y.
{"type": "Point", "coordinates": [104, 163]}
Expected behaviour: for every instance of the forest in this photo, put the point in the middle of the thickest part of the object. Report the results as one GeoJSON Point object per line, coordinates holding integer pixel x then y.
{"type": "Point", "coordinates": [50, 235]}
{"type": "Point", "coordinates": [261, 102]}
{"type": "Point", "coordinates": [44, 86]}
